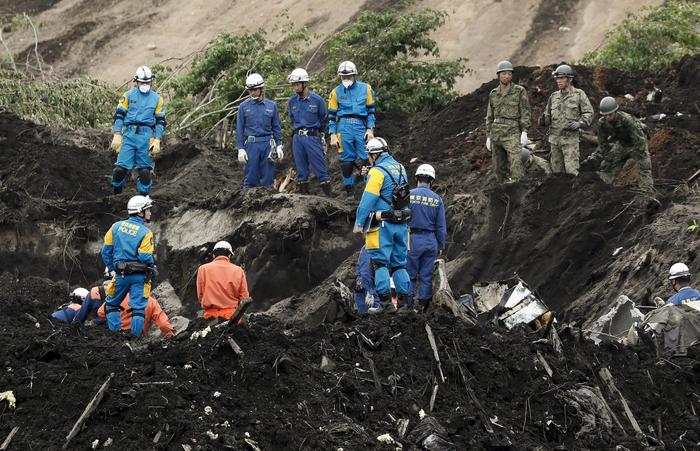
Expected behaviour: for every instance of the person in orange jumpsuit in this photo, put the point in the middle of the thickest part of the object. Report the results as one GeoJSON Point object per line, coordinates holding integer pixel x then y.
{"type": "Point", "coordinates": [153, 312]}
{"type": "Point", "coordinates": [221, 285]}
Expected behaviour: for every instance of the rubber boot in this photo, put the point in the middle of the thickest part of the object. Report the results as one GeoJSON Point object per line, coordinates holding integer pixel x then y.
{"type": "Point", "coordinates": [385, 304]}
{"type": "Point", "coordinates": [303, 187]}
{"type": "Point", "coordinates": [423, 305]}
{"type": "Point", "coordinates": [405, 302]}
{"type": "Point", "coordinates": [137, 321]}
{"type": "Point", "coordinates": [326, 187]}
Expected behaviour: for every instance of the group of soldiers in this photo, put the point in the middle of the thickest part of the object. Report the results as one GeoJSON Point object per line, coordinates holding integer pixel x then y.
{"type": "Point", "coordinates": [621, 136]}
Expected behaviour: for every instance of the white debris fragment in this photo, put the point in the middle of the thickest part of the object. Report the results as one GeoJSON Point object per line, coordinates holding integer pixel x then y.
{"type": "Point", "coordinates": [212, 435]}
{"type": "Point", "coordinates": [616, 251]}
{"type": "Point", "coordinates": [95, 443]}
{"type": "Point", "coordinates": [678, 114]}
{"type": "Point", "coordinates": [564, 28]}
{"type": "Point", "coordinates": [187, 366]}
{"type": "Point", "coordinates": [386, 439]}
{"type": "Point", "coordinates": [9, 397]}
{"type": "Point", "coordinates": [200, 333]}
{"type": "Point", "coordinates": [629, 97]}
{"type": "Point", "coordinates": [208, 410]}
{"type": "Point", "coordinates": [108, 442]}
{"type": "Point", "coordinates": [217, 394]}
{"type": "Point", "coordinates": [421, 414]}
{"type": "Point", "coordinates": [226, 424]}
{"type": "Point", "coordinates": [247, 435]}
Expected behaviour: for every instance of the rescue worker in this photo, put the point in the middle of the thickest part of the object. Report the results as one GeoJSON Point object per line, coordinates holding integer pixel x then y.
{"type": "Point", "coordinates": [139, 123]}
{"type": "Point", "coordinates": [94, 300]}
{"type": "Point", "coordinates": [309, 118]}
{"type": "Point", "coordinates": [152, 312]}
{"type": "Point", "coordinates": [428, 234]}
{"type": "Point", "coordinates": [507, 121]}
{"type": "Point", "coordinates": [383, 216]}
{"type": "Point", "coordinates": [67, 312]}
{"type": "Point", "coordinates": [568, 110]}
{"type": "Point", "coordinates": [621, 136]}
{"type": "Point", "coordinates": [258, 135]}
{"type": "Point", "coordinates": [679, 275]}
{"type": "Point", "coordinates": [221, 285]}
{"type": "Point", "coordinates": [535, 167]}
{"type": "Point", "coordinates": [128, 251]}
{"type": "Point", "coordinates": [351, 121]}
{"type": "Point", "coordinates": [366, 297]}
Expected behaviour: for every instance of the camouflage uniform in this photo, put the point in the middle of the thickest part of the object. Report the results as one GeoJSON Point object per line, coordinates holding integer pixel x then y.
{"type": "Point", "coordinates": [564, 107]}
{"type": "Point", "coordinates": [507, 116]}
{"type": "Point", "coordinates": [537, 167]}
{"type": "Point", "coordinates": [622, 140]}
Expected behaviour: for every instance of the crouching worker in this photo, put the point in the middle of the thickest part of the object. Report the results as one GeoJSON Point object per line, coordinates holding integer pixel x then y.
{"type": "Point", "coordinates": [94, 300]}
{"type": "Point", "coordinates": [68, 311]}
{"type": "Point", "coordinates": [221, 285]}
{"type": "Point", "coordinates": [152, 313]}
{"type": "Point", "coordinates": [679, 275]}
{"type": "Point", "coordinates": [128, 250]}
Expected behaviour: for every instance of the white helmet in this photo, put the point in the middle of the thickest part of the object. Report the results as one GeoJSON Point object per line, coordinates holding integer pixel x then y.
{"type": "Point", "coordinates": [80, 293]}
{"type": "Point", "coordinates": [137, 204]}
{"type": "Point", "coordinates": [427, 170]}
{"type": "Point", "coordinates": [298, 75]}
{"type": "Point", "coordinates": [144, 75]}
{"type": "Point", "coordinates": [377, 145]}
{"type": "Point", "coordinates": [347, 68]}
{"type": "Point", "coordinates": [253, 81]}
{"type": "Point", "coordinates": [223, 245]}
{"type": "Point", "coordinates": [678, 270]}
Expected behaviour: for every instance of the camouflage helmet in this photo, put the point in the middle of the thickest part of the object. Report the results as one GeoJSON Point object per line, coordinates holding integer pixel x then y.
{"type": "Point", "coordinates": [503, 66]}
{"type": "Point", "coordinates": [563, 70]}
{"type": "Point", "coordinates": [524, 155]}
{"type": "Point", "coordinates": [608, 106]}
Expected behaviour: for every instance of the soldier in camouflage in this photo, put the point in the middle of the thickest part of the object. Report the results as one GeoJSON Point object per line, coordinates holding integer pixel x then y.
{"type": "Point", "coordinates": [568, 110]}
{"type": "Point", "coordinates": [535, 167]}
{"type": "Point", "coordinates": [507, 121]}
{"type": "Point", "coordinates": [621, 137]}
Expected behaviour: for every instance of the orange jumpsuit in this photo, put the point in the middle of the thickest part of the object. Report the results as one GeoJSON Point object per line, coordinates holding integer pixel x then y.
{"type": "Point", "coordinates": [154, 313]}
{"type": "Point", "coordinates": [221, 285]}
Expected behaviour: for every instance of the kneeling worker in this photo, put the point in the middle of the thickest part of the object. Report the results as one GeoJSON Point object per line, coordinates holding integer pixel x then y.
{"type": "Point", "coordinates": [153, 312]}
{"type": "Point", "coordinates": [221, 285]}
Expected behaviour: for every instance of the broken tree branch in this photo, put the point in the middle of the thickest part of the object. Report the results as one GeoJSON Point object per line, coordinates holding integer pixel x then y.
{"type": "Point", "coordinates": [607, 378]}
{"type": "Point", "coordinates": [480, 410]}
{"type": "Point", "coordinates": [375, 376]}
{"type": "Point", "coordinates": [88, 410]}
{"type": "Point", "coordinates": [6, 443]}
{"type": "Point", "coordinates": [433, 396]}
{"type": "Point", "coordinates": [237, 349]}
{"type": "Point", "coordinates": [544, 363]}
{"type": "Point", "coordinates": [431, 339]}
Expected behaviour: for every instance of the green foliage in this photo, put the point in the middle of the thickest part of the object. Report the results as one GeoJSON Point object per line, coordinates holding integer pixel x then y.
{"type": "Point", "coordinates": [72, 103]}
{"type": "Point", "coordinates": [693, 228]}
{"type": "Point", "coordinates": [652, 39]}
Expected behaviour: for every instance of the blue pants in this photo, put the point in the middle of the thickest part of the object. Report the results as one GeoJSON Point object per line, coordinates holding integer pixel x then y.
{"type": "Point", "coordinates": [139, 290]}
{"type": "Point", "coordinates": [308, 150]}
{"type": "Point", "coordinates": [259, 170]}
{"type": "Point", "coordinates": [134, 154]}
{"type": "Point", "coordinates": [387, 246]}
{"type": "Point", "coordinates": [352, 143]}
{"type": "Point", "coordinates": [421, 260]}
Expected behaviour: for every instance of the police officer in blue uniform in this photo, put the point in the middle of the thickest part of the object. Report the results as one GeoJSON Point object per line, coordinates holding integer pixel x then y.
{"type": "Point", "coordinates": [351, 121]}
{"type": "Point", "coordinates": [309, 116]}
{"type": "Point", "coordinates": [128, 251]}
{"type": "Point", "coordinates": [139, 123]}
{"type": "Point", "coordinates": [428, 234]}
{"type": "Point", "coordinates": [366, 297]}
{"type": "Point", "coordinates": [258, 135]}
{"type": "Point", "coordinates": [383, 216]}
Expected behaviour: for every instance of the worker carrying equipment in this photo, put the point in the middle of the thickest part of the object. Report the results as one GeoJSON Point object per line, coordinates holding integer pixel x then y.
{"type": "Point", "coordinates": [139, 123]}
{"type": "Point", "coordinates": [128, 250]}
{"type": "Point", "coordinates": [221, 285]}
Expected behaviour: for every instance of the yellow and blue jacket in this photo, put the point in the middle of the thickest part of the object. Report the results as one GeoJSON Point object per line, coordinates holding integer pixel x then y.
{"type": "Point", "coordinates": [137, 108]}
{"type": "Point", "coordinates": [357, 101]}
{"type": "Point", "coordinates": [379, 188]}
{"type": "Point", "coordinates": [128, 240]}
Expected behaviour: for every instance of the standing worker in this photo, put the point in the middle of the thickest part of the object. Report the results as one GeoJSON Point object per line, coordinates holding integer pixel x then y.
{"type": "Point", "coordinates": [621, 136]}
{"type": "Point", "coordinates": [568, 110]}
{"type": "Point", "coordinates": [258, 135]}
{"type": "Point", "coordinates": [139, 123]}
{"type": "Point", "coordinates": [383, 214]}
{"type": "Point", "coordinates": [309, 116]}
{"type": "Point", "coordinates": [128, 251]}
{"type": "Point", "coordinates": [221, 285]}
{"type": "Point", "coordinates": [428, 234]}
{"type": "Point", "coordinates": [351, 121]}
{"type": "Point", "coordinates": [507, 121]}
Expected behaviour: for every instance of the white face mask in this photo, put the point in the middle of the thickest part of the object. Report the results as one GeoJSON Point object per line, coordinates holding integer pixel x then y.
{"type": "Point", "coordinates": [144, 88]}
{"type": "Point", "coordinates": [348, 83]}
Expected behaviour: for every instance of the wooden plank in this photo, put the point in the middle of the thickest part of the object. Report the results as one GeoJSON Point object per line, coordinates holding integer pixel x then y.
{"type": "Point", "coordinates": [237, 349]}
{"type": "Point", "coordinates": [479, 409]}
{"type": "Point", "coordinates": [544, 363]}
{"type": "Point", "coordinates": [607, 378]}
{"type": "Point", "coordinates": [6, 443]}
{"type": "Point", "coordinates": [88, 410]}
{"type": "Point", "coordinates": [431, 339]}
{"type": "Point", "coordinates": [433, 396]}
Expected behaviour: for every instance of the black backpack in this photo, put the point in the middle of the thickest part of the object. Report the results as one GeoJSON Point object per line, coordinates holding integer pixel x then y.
{"type": "Point", "coordinates": [401, 194]}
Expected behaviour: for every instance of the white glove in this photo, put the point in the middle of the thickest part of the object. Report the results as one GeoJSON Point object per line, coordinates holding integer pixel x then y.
{"type": "Point", "coordinates": [523, 139]}
{"type": "Point", "coordinates": [280, 153]}
{"type": "Point", "coordinates": [369, 300]}
{"type": "Point", "coordinates": [488, 143]}
{"type": "Point", "coordinates": [242, 156]}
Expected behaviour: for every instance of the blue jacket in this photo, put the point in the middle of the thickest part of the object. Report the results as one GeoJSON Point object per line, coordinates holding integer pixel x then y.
{"type": "Point", "coordinates": [357, 100]}
{"type": "Point", "coordinates": [684, 294]}
{"type": "Point", "coordinates": [428, 213]}
{"type": "Point", "coordinates": [137, 108]}
{"type": "Point", "coordinates": [129, 240]}
{"type": "Point", "coordinates": [258, 118]}
{"type": "Point", "coordinates": [310, 112]}
{"type": "Point", "coordinates": [379, 188]}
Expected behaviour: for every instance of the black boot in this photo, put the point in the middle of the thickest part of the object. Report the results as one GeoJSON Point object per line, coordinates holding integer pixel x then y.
{"type": "Point", "coordinates": [350, 191]}
{"type": "Point", "coordinates": [326, 187]}
{"type": "Point", "coordinates": [405, 302]}
{"type": "Point", "coordinates": [303, 187]}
